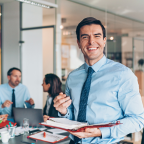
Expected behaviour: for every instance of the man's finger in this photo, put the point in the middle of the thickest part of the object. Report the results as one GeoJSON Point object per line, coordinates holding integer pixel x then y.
{"type": "Point", "coordinates": [61, 101]}
{"type": "Point", "coordinates": [59, 97]}
{"type": "Point", "coordinates": [66, 104]}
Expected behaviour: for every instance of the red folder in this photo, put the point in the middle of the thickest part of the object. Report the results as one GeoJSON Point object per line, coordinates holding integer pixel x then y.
{"type": "Point", "coordinates": [30, 136]}
{"type": "Point", "coordinates": [3, 124]}
{"type": "Point", "coordinates": [83, 128]}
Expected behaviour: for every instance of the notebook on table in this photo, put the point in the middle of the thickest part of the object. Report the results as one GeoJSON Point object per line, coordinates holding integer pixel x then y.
{"type": "Point", "coordinates": [3, 124]}
{"type": "Point", "coordinates": [51, 138]}
{"type": "Point", "coordinates": [74, 126]}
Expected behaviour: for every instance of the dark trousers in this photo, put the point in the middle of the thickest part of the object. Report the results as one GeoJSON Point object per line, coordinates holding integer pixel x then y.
{"type": "Point", "coordinates": [72, 142]}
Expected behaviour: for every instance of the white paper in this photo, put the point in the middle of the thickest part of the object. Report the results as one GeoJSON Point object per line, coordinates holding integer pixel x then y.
{"type": "Point", "coordinates": [55, 131]}
{"type": "Point", "coordinates": [64, 123]}
{"type": "Point", "coordinates": [49, 137]}
{"type": "Point", "coordinates": [20, 130]}
{"type": "Point", "coordinates": [3, 129]}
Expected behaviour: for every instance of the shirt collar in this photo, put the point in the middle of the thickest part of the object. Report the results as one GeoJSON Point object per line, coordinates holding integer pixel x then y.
{"type": "Point", "coordinates": [97, 65]}
{"type": "Point", "coordinates": [10, 88]}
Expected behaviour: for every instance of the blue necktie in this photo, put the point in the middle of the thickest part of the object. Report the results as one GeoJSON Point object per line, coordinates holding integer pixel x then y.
{"type": "Point", "coordinates": [13, 100]}
{"type": "Point", "coordinates": [84, 99]}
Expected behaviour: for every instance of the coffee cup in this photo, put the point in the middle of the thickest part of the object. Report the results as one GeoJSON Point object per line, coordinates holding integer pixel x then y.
{"type": "Point", "coordinates": [5, 136]}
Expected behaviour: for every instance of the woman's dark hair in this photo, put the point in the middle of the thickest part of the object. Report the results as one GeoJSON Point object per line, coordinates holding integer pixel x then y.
{"type": "Point", "coordinates": [89, 21]}
{"type": "Point", "coordinates": [55, 84]}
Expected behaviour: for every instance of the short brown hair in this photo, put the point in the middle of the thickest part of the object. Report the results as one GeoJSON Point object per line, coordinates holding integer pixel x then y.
{"type": "Point", "coordinates": [11, 69]}
{"type": "Point", "coordinates": [89, 21]}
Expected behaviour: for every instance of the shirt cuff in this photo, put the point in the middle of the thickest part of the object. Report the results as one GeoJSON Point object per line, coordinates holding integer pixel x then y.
{"type": "Point", "coordinates": [65, 116]}
{"type": "Point", "coordinates": [105, 132]}
{"type": "Point", "coordinates": [28, 105]}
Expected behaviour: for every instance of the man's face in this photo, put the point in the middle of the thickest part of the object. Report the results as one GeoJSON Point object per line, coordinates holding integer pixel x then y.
{"type": "Point", "coordinates": [14, 78]}
{"type": "Point", "coordinates": [91, 43]}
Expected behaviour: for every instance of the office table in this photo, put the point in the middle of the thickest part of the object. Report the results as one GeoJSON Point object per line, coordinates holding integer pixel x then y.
{"type": "Point", "coordinates": [18, 139]}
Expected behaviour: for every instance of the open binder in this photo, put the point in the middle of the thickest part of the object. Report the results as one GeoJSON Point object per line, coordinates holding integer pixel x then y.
{"type": "Point", "coordinates": [3, 124]}
{"type": "Point", "coordinates": [73, 126]}
{"type": "Point", "coordinates": [51, 138]}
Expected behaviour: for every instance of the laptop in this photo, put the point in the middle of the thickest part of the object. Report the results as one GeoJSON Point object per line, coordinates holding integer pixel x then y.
{"type": "Point", "coordinates": [35, 116]}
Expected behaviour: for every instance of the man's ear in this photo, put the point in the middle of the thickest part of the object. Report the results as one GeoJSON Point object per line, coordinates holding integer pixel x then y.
{"type": "Point", "coordinates": [8, 77]}
{"type": "Point", "coordinates": [78, 44]}
{"type": "Point", "coordinates": [104, 41]}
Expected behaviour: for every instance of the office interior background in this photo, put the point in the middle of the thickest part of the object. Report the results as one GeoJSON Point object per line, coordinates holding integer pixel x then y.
{"type": "Point", "coordinates": [41, 40]}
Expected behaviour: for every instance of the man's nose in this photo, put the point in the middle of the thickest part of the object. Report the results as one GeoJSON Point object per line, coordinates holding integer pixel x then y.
{"type": "Point", "coordinates": [91, 40]}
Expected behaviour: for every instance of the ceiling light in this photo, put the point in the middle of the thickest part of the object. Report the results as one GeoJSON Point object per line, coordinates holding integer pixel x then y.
{"type": "Point", "coordinates": [0, 14]}
{"type": "Point", "coordinates": [111, 38]}
{"type": "Point", "coordinates": [39, 3]}
{"type": "Point", "coordinates": [61, 27]}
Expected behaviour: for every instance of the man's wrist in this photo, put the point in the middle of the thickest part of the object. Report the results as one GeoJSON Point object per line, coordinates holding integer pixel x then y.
{"type": "Point", "coordinates": [2, 106]}
{"type": "Point", "coordinates": [99, 134]}
{"type": "Point", "coordinates": [63, 114]}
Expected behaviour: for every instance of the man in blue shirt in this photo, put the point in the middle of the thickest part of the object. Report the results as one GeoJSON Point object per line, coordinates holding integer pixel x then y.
{"type": "Point", "coordinates": [113, 94]}
{"type": "Point", "coordinates": [13, 93]}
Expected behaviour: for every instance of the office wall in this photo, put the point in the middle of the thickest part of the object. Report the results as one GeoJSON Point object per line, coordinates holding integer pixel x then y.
{"type": "Point", "coordinates": [10, 38]}
{"type": "Point", "coordinates": [32, 56]}
{"type": "Point", "coordinates": [47, 42]}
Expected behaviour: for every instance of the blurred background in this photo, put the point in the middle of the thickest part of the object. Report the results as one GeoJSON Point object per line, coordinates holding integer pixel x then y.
{"type": "Point", "coordinates": [38, 36]}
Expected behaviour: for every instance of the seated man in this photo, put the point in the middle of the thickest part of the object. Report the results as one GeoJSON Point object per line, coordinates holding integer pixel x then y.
{"type": "Point", "coordinates": [13, 93]}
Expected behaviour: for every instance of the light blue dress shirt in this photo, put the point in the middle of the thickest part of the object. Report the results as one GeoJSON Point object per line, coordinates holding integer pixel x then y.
{"type": "Point", "coordinates": [21, 95]}
{"type": "Point", "coordinates": [114, 96]}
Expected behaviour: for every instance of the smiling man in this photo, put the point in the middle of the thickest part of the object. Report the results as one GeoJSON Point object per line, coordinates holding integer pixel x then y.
{"type": "Point", "coordinates": [100, 91]}
{"type": "Point", "coordinates": [13, 93]}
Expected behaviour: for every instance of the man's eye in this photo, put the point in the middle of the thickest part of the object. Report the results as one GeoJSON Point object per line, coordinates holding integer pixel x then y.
{"type": "Point", "coordinates": [97, 36]}
{"type": "Point", "coordinates": [85, 37]}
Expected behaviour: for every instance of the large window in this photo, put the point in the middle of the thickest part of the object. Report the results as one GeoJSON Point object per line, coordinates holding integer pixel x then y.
{"type": "Point", "coordinates": [125, 36]}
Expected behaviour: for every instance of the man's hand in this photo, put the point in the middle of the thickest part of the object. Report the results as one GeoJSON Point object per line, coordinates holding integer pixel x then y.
{"type": "Point", "coordinates": [89, 132]}
{"type": "Point", "coordinates": [61, 103]}
{"type": "Point", "coordinates": [45, 117]}
{"type": "Point", "coordinates": [4, 117]}
{"type": "Point", "coordinates": [30, 101]}
{"type": "Point", "coordinates": [7, 103]}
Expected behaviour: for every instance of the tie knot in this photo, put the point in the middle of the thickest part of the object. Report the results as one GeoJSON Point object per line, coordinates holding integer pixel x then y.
{"type": "Point", "coordinates": [90, 70]}
{"type": "Point", "coordinates": [13, 90]}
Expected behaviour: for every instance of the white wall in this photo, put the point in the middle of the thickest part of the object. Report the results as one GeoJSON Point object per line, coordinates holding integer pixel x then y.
{"type": "Point", "coordinates": [48, 63]}
{"type": "Point", "coordinates": [32, 53]}
{"type": "Point", "coordinates": [32, 64]}
{"type": "Point", "coordinates": [10, 38]}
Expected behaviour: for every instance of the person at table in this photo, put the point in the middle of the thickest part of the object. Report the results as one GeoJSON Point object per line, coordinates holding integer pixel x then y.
{"type": "Point", "coordinates": [13, 93]}
{"type": "Point", "coordinates": [100, 91]}
{"type": "Point", "coordinates": [52, 85]}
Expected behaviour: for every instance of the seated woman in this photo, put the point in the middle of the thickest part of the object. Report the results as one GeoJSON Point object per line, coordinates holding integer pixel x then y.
{"type": "Point", "coordinates": [52, 85]}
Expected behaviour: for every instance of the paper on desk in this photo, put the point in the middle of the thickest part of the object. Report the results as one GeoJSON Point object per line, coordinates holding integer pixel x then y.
{"type": "Point", "coordinates": [3, 129]}
{"type": "Point", "coordinates": [55, 131]}
{"type": "Point", "coordinates": [49, 137]}
{"type": "Point", "coordinates": [20, 130]}
{"type": "Point", "coordinates": [66, 121]}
